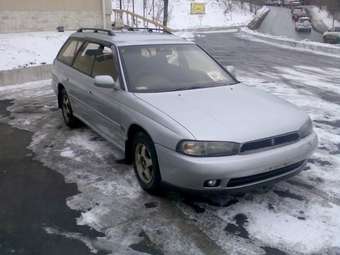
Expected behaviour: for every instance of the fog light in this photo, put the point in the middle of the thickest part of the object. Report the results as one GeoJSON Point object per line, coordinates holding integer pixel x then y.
{"type": "Point", "coordinates": [211, 183]}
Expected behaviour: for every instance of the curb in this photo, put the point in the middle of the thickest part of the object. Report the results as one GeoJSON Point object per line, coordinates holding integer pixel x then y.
{"type": "Point", "coordinates": [23, 75]}
{"type": "Point", "coordinates": [318, 48]}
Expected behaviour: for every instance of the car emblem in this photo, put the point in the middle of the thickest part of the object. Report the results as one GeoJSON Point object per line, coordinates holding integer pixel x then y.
{"type": "Point", "coordinates": [273, 141]}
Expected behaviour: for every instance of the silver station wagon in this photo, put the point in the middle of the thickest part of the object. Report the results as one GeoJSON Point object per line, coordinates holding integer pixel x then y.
{"type": "Point", "coordinates": [178, 115]}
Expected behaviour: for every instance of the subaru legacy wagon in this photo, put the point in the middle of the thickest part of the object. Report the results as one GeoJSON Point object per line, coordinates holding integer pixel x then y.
{"type": "Point", "coordinates": [180, 117]}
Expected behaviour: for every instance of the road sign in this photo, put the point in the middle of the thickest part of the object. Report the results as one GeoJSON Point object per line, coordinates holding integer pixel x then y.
{"type": "Point", "coordinates": [197, 8]}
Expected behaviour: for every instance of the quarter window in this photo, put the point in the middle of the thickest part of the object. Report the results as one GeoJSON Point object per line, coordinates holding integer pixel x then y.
{"type": "Point", "coordinates": [86, 56]}
{"type": "Point", "coordinates": [69, 50]}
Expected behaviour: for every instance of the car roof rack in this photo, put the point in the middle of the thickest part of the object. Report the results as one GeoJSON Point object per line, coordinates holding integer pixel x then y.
{"type": "Point", "coordinates": [149, 29]}
{"type": "Point", "coordinates": [96, 30]}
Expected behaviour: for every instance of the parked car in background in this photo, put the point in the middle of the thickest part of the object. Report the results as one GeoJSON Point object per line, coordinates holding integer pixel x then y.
{"type": "Point", "coordinates": [179, 115]}
{"type": "Point", "coordinates": [332, 36]}
{"type": "Point", "coordinates": [293, 4]}
{"type": "Point", "coordinates": [287, 2]}
{"type": "Point", "coordinates": [298, 12]}
{"type": "Point", "coordinates": [303, 25]}
{"type": "Point", "coordinates": [273, 2]}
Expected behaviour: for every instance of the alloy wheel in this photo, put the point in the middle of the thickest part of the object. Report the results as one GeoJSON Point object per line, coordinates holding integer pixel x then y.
{"type": "Point", "coordinates": [144, 165]}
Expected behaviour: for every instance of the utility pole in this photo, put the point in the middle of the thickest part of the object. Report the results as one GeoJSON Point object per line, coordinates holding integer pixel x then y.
{"type": "Point", "coordinates": [165, 14]}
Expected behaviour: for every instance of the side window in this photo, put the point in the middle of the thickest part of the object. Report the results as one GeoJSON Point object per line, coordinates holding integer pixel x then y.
{"type": "Point", "coordinates": [69, 50]}
{"type": "Point", "coordinates": [104, 64]}
{"type": "Point", "coordinates": [86, 56]}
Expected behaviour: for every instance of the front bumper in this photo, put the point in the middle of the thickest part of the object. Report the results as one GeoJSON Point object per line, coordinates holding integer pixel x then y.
{"type": "Point", "coordinates": [191, 172]}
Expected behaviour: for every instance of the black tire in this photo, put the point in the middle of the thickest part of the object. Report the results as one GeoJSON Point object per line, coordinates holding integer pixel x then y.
{"type": "Point", "coordinates": [66, 109]}
{"type": "Point", "coordinates": [153, 184]}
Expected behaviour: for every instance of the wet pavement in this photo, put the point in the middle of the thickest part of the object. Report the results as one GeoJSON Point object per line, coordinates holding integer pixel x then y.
{"type": "Point", "coordinates": [279, 22]}
{"type": "Point", "coordinates": [32, 198]}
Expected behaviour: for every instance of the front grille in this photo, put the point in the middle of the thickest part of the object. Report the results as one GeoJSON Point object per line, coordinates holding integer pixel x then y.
{"type": "Point", "coordinates": [235, 182]}
{"type": "Point", "coordinates": [270, 142]}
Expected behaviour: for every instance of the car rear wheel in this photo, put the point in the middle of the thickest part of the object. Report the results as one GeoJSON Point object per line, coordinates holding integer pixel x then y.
{"type": "Point", "coordinates": [146, 164]}
{"type": "Point", "coordinates": [66, 108]}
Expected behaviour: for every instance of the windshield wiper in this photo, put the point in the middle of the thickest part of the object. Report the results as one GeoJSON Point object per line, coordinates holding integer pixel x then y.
{"type": "Point", "coordinates": [189, 88]}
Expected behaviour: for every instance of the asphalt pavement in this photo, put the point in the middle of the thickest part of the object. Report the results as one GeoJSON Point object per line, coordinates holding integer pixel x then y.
{"type": "Point", "coordinates": [279, 22]}
{"type": "Point", "coordinates": [32, 198]}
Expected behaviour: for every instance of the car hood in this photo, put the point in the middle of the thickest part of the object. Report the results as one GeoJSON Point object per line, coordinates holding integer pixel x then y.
{"type": "Point", "coordinates": [235, 113]}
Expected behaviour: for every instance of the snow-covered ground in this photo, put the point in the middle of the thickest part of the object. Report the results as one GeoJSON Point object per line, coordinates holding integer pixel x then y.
{"type": "Point", "coordinates": [216, 16]}
{"type": "Point", "coordinates": [180, 17]}
{"type": "Point", "coordinates": [19, 50]}
{"type": "Point", "coordinates": [300, 216]}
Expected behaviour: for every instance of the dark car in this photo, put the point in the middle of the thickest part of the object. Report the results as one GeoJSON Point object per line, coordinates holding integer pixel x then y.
{"type": "Point", "coordinates": [298, 12]}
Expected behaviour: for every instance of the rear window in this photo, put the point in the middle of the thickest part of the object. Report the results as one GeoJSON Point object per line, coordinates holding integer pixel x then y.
{"type": "Point", "coordinates": [69, 50]}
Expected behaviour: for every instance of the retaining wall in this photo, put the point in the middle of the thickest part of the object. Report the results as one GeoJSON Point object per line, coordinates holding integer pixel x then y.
{"type": "Point", "coordinates": [18, 76]}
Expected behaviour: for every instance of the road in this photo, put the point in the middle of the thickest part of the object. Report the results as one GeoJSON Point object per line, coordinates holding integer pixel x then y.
{"type": "Point", "coordinates": [109, 213]}
{"type": "Point", "coordinates": [279, 22]}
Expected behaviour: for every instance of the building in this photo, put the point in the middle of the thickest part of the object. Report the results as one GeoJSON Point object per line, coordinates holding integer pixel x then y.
{"type": "Point", "coordinates": [47, 15]}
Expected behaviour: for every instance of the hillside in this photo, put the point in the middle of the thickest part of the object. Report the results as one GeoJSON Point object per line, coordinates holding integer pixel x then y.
{"type": "Point", "coordinates": [218, 13]}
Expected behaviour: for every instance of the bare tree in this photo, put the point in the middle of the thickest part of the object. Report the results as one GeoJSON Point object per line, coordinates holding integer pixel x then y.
{"type": "Point", "coordinates": [165, 12]}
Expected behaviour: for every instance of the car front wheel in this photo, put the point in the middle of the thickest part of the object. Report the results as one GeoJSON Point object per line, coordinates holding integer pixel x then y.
{"type": "Point", "coordinates": [146, 164]}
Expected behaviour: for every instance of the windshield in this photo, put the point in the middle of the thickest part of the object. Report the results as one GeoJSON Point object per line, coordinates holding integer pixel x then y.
{"type": "Point", "coordinates": [161, 68]}
{"type": "Point", "coordinates": [297, 11]}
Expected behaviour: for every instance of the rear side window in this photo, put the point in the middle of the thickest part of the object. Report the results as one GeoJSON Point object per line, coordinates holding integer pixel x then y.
{"type": "Point", "coordinates": [69, 50]}
{"type": "Point", "coordinates": [86, 56]}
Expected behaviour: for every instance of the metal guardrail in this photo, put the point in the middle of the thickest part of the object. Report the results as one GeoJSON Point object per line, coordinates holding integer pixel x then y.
{"type": "Point", "coordinates": [124, 18]}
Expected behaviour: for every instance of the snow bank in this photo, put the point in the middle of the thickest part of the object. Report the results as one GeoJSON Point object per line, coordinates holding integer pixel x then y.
{"type": "Point", "coordinates": [280, 41]}
{"type": "Point", "coordinates": [20, 50]}
{"type": "Point", "coordinates": [260, 16]}
{"type": "Point", "coordinates": [322, 15]}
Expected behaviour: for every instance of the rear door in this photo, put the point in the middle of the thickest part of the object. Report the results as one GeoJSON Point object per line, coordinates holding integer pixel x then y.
{"type": "Point", "coordinates": [62, 69]}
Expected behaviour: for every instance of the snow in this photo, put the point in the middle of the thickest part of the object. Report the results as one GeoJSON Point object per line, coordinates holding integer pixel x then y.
{"type": "Point", "coordinates": [180, 17]}
{"type": "Point", "coordinates": [20, 50]}
{"type": "Point", "coordinates": [67, 153]}
{"type": "Point", "coordinates": [324, 16]}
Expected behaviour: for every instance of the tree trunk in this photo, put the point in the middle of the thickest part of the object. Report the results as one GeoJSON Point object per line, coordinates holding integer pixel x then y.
{"type": "Point", "coordinates": [165, 13]}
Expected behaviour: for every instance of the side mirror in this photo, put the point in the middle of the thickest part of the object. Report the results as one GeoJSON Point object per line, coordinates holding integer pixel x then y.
{"type": "Point", "coordinates": [231, 70]}
{"type": "Point", "coordinates": [105, 81]}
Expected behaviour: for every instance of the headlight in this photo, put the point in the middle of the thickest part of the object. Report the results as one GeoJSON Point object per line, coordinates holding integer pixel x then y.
{"type": "Point", "coordinates": [306, 129]}
{"type": "Point", "coordinates": [208, 149]}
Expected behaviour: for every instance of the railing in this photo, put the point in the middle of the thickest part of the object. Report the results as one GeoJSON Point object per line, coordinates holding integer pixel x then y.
{"type": "Point", "coordinates": [126, 18]}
